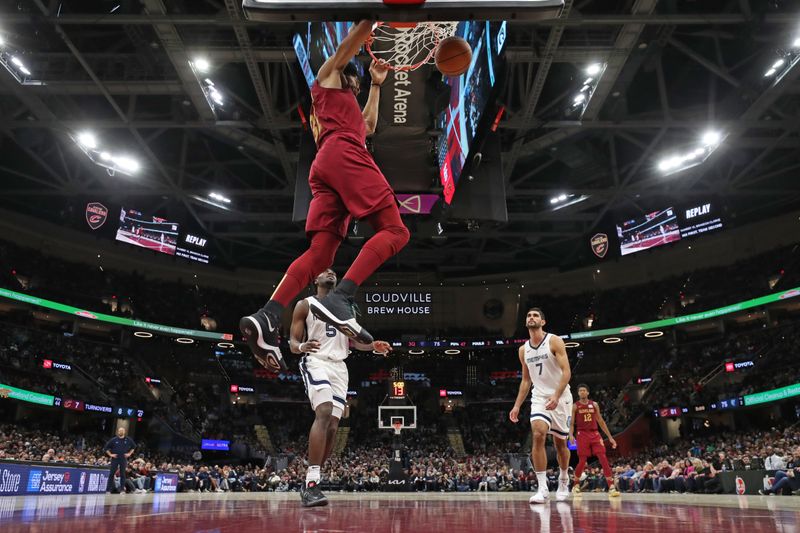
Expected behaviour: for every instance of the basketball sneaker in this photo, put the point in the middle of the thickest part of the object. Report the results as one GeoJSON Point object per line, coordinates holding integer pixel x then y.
{"type": "Point", "coordinates": [312, 495]}
{"type": "Point", "coordinates": [576, 489]}
{"type": "Point", "coordinates": [541, 496]}
{"type": "Point", "coordinates": [336, 309]}
{"type": "Point", "coordinates": [613, 492]}
{"type": "Point", "coordinates": [562, 493]}
{"type": "Point", "coordinates": [260, 331]}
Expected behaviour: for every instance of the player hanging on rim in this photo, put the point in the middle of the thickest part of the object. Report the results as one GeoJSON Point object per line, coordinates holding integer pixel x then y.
{"type": "Point", "coordinates": [546, 367]}
{"type": "Point", "coordinates": [325, 378]}
{"type": "Point", "coordinates": [345, 182]}
{"type": "Point", "coordinates": [585, 419]}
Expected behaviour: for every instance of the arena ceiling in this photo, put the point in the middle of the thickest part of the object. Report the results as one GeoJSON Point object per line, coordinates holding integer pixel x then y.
{"type": "Point", "coordinates": [674, 69]}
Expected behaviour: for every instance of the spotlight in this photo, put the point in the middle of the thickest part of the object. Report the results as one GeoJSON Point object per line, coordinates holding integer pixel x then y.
{"type": "Point", "coordinates": [2, 41]}
{"type": "Point", "coordinates": [184, 340]}
{"type": "Point", "coordinates": [225, 344]}
{"type": "Point", "coordinates": [216, 96]}
{"type": "Point", "coordinates": [711, 138]}
{"type": "Point", "coordinates": [579, 99]}
{"type": "Point", "coordinates": [219, 197]}
{"type": "Point", "coordinates": [125, 163]}
{"type": "Point", "coordinates": [452, 351]}
{"type": "Point", "coordinates": [87, 139]}
{"type": "Point", "coordinates": [594, 69]}
{"type": "Point", "coordinates": [612, 340]}
{"type": "Point", "coordinates": [795, 44]}
{"type": "Point", "coordinates": [416, 352]}
{"type": "Point", "coordinates": [653, 334]}
{"type": "Point", "coordinates": [142, 334]}
{"type": "Point", "coordinates": [571, 344]}
{"type": "Point", "coordinates": [202, 64]}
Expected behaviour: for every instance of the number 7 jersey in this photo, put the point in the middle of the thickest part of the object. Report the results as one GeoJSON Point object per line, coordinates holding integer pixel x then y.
{"type": "Point", "coordinates": [544, 369]}
{"type": "Point", "coordinates": [334, 346]}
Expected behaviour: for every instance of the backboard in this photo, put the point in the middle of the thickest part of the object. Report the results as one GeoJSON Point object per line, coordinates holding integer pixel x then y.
{"type": "Point", "coordinates": [401, 11]}
{"type": "Point", "coordinates": [388, 415]}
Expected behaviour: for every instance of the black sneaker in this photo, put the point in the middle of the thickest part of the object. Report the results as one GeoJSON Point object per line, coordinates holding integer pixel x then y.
{"type": "Point", "coordinates": [336, 309]}
{"type": "Point", "coordinates": [260, 330]}
{"type": "Point", "coordinates": [312, 496]}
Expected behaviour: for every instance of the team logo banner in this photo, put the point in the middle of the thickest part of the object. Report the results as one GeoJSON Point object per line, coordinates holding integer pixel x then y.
{"type": "Point", "coordinates": [96, 215]}
{"type": "Point", "coordinates": [416, 204]}
{"type": "Point", "coordinates": [600, 245]}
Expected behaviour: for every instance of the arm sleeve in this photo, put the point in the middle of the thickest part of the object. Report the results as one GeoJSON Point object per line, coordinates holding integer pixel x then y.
{"type": "Point", "coordinates": [108, 445]}
{"type": "Point", "coordinates": [133, 444]}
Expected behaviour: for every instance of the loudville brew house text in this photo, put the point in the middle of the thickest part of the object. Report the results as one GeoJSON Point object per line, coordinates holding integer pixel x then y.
{"type": "Point", "coordinates": [407, 303]}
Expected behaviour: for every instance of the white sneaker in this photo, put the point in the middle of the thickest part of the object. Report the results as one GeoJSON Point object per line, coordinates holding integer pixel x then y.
{"type": "Point", "coordinates": [540, 497]}
{"type": "Point", "coordinates": [562, 494]}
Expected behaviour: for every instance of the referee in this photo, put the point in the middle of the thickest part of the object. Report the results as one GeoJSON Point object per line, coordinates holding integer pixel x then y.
{"type": "Point", "coordinates": [119, 449]}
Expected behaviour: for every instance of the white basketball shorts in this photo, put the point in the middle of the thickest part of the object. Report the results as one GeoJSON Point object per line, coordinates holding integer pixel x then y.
{"type": "Point", "coordinates": [559, 418]}
{"type": "Point", "coordinates": [325, 381]}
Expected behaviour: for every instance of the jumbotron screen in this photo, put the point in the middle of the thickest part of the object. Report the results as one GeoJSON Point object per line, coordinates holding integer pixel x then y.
{"type": "Point", "coordinates": [145, 231]}
{"type": "Point", "coordinates": [469, 95]}
{"type": "Point", "coordinates": [319, 42]}
{"type": "Point", "coordinates": [666, 226]}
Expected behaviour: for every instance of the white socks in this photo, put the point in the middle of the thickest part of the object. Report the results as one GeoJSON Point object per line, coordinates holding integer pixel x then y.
{"type": "Point", "coordinates": [541, 478]}
{"type": "Point", "coordinates": [564, 477]}
{"type": "Point", "coordinates": [313, 474]}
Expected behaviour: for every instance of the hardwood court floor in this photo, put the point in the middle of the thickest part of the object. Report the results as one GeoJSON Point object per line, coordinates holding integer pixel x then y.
{"type": "Point", "coordinates": [395, 513]}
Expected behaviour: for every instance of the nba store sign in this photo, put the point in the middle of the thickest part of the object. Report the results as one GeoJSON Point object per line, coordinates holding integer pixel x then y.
{"type": "Point", "coordinates": [19, 479]}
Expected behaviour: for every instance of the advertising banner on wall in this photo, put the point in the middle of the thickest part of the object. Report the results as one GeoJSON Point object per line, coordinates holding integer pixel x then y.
{"type": "Point", "coordinates": [21, 479]}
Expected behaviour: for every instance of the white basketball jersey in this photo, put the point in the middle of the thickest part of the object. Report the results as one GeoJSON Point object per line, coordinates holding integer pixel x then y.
{"type": "Point", "coordinates": [334, 345]}
{"type": "Point", "coordinates": [543, 367]}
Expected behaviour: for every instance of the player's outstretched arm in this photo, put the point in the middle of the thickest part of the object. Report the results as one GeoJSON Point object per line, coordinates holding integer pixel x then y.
{"type": "Point", "coordinates": [602, 423]}
{"type": "Point", "coordinates": [377, 72]}
{"type": "Point", "coordinates": [524, 387]}
{"type": "Point", "coordinates": [377, 346]}
{"type": "Point", "coordinates": [330, 73]}
{"type": "Point", "coordinates": [297, 333]}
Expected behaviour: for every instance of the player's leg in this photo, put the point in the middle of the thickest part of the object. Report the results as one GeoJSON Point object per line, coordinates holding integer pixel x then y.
{"type": "Point", "coordinates": [330, 437]}
{"type": "Point", "coordinates": [339, 378]}
{"type": "Point", "coordinates": [317, 442]}
{"type": "Point", "coordinates": [582, 459]}
{"type": "Point", "coordinates": [599, 451]}
{"type": "Point", "coordinates": [559, 428]}
{"type": "Point", "coordinates": [539, 428]}
{"type": "Point", "coordinates": [391, 235]}
{"type": "Point", "coordinates": [562, 454]}
{"type": "Point", "coordinates": [260, 329]}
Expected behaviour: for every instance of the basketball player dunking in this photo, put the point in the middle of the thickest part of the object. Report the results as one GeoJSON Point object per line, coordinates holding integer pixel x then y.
{"type": "Point", "coordinates": [345, 182]}
{"type": "Point", "coordinates": [325, 379]}
{"type": "Point", "coordinates": [546, 367]}
{"type": "Point", "coordinates": [585, 419]}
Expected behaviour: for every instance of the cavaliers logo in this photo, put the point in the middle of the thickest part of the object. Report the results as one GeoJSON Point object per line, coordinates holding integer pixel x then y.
{"type": "Point", "coordinates": [96, 214]}
{"type": "Point", "coordinates": [740, 486]}
{"type": "Point", "coordinates": [600, 245]}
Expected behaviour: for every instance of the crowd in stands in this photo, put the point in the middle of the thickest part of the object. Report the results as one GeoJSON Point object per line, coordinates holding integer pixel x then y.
{"type": "Point", "coordinates": [685, 465]}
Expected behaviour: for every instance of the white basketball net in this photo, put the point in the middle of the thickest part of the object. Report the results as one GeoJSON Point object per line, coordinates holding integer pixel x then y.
{"type": "Point", "coordinates": [408, 47]}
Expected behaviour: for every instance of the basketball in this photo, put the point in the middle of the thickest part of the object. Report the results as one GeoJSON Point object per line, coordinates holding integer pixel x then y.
{"type": "Point", "coordinates": [453, 56]}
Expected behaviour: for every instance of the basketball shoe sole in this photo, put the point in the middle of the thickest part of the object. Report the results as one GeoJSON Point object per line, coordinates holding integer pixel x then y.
{"type": "Point", "coordinates": [334, 309]}
{"type": "Point", "coordinates": [263, 345]}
